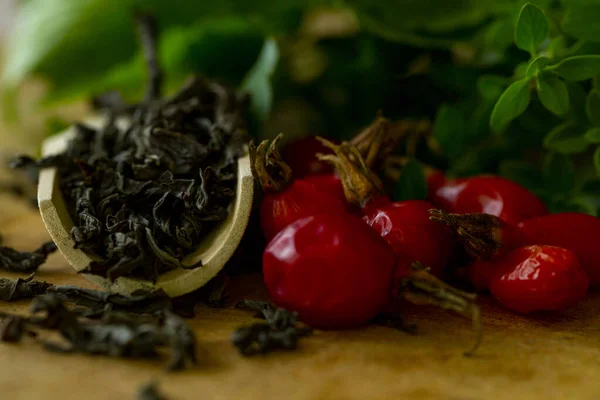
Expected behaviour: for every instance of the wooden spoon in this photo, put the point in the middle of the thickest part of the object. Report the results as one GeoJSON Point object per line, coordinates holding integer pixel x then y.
{"type": "Point", "coordinates": [216, 249]}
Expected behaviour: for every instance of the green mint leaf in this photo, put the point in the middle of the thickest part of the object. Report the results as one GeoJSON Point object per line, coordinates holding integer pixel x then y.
{"type": "Point", "coordinates": [597, 160]}
{"type": "Point", "coordinates": [581, 20]}
{"type": "Point", "coordinates": [490, 87]}
{"type": "Point", "coordinates": [521, 172]}
{"type": "Point", "coordinates": [499, 35]}
{"type": "Point", "coordinates": [577, 68]}
{"type": "Point", "coordinates": [512, 103]}
{"type": "Point", "coordinates": [531, 28]}
{"type": "Point", "coordinates": [559, 173]}
{"type": "Point", "coordinates": [592, 106]}
{"type": "Point", "coordinates": [412, 184]}
{"type": "Point", "coordinates": [566, 139]}
{"type": "Point", "coordinates": [449, 129]}
{"type": "Point", "coordinates": [553, 93]}
{"type": "Point", "coordinates": [537, 65]}
{"type": "Point", "coordinates": [258, 80]}
{"type": "Point", "coordinates": [593, 135]}
{"type": "Point", "coordinates": [583, 204]}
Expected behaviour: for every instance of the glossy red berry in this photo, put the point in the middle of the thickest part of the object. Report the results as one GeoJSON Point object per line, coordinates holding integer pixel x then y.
{"type": "Point", "coordinates": [406, 227]}
{"type": "Point", "coordinates": [329, 183]}
{"type": "Point", "coordinates": [331, 268]}
{"type": "Point", "coordinates": [489, 236]}
{"type": "Point", "coordinates": [300, 199]}
{"type": "Point", "coordinates": [285, 200]}
{"type": "Point", "coordinates": [301, 155]}
{"type": "Point", "coordinates": [484, 194]}
{"type": "Point", "coordinates": [536, 278]}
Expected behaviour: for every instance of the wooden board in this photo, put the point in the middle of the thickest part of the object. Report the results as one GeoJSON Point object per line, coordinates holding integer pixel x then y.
{"type": "Point", "coordinates": [551, 357]}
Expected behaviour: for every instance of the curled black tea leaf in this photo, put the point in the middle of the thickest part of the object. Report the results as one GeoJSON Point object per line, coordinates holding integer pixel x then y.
{"type": "Point", "coordinates": [182, 340]}
{"type": "Point", "coordinates": [115, 335]}
{"type": "Point", "coordinates": [96, 301]}
{"type": "Point", "coordinates": [278, 318]}
{"type": "Point", "coordinates": [280, 331]}
{"type": "Point", "coordinates": [12, 328]}
{"type": "Point", "coordinates": [149, 391]}
{"type": "Point", "coordinates": [17, 261]}
{"type": "Point", "coordinates": [396, 322]}
{"type": "Point", "coordinates": [261, 338]}
{"type": "Point", "coordinates": [17, 289]}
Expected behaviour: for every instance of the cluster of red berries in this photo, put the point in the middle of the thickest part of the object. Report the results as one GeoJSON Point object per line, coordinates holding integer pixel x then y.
{"type": "Point", "coordinates": [341, 251]}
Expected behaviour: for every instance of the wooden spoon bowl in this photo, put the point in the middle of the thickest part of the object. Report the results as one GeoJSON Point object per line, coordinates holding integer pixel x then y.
{"type": "Point", "coordinates": [214, 251]}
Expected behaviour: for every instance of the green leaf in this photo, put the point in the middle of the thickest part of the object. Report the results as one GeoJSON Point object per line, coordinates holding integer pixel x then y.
{"type": "Point", "coordinates": [581, 20]}
{"type": "Point", "coordinates": [412, 184]}
{"type": "Point", "coordinates": [499, 35]}
{"type": "Point", "coordinates": [559, 173]}
{"type": "Point", "coordinates": [258, 80]}
{"type": "Point", "coordinates": [566, 139]}
{"type": "Point", "coordinates": [521, 172]}
{"type": "Point", "coordinates": [531, 28]}
{"type": "Point", "coordinates": [511, 104]}
{"type": "Point", "coordinates": [592, 106]}
{"type": "Point", "coordinates": [450, 129]}
{"type": "Point", "coordinates": [593, 135]}
{"type": "Point", "coordinates": [582, 204]}
{"type": "Point", "coordinates": [597, 160]}
{"type": "Point", "coordinates": [490, 87]}
{"type": "Point", "coordinates": [578, 68]}
{"type": "Point", "coordinates": [537, 65]}
{"type": "Point", "coordinates": [232, 43]}
{"type": "Point", "coordinates": [553, 93]}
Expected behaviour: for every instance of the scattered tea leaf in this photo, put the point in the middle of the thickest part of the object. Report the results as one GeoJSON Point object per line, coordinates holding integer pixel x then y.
{"type": "Point", "coordinates": [17, 261]}
{"type": "Point", "coordinates": [280, 331]}
{"type": "Point", "coordinates": [150, 391]}
{"type": "Point", "coordinates": [18, 289]}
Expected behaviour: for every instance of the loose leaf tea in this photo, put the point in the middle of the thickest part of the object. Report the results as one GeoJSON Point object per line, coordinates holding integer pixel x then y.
{"type": "Point", "coordinates": [149, 391]}
{"type": "Point", "coordinates": [17, 289]}
{"type": "Point", "coordinates": [115, 338]}
{"type": "Point", "coordinates": [96, 302]}
{"type": "Point", "coordinates": [280, 331]}
{"type": "Point", "coordinates": [17, 261]}
{"type": "Point", "coordinates": [144, 189]}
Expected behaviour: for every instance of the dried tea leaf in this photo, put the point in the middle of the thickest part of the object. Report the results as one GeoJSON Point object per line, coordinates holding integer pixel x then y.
{"type": "Point", "coordinates": [18, 261]}
{"type": "Point", "coordinates": [149, 391]}
{"type": "Point", "coordinates": [17, 289]}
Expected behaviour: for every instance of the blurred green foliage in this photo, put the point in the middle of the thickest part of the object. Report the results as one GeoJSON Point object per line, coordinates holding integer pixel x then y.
{"type": "Point", "coordinates": [511, 87]}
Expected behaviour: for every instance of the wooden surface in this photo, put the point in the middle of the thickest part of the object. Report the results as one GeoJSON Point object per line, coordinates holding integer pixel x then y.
{"type": "Point", "coordinates": [552, 357]}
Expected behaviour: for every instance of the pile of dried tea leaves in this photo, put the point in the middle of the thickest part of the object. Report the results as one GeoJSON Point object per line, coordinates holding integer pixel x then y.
{"type": "Point", "coordinates": [145, 188]}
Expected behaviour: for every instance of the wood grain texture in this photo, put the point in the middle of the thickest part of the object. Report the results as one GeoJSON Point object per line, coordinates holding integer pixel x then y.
{"type": "Point", "coordinates": [550, 357]}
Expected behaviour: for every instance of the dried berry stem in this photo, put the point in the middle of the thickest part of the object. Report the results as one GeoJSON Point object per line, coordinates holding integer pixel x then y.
{"type": "Point", "coordinates": [268, 167]}
{"type": "Point", "coordinates": [482, 232]}
{"type": "Point", "coordinates": [420, 287]}
{"type": "Point", "coordinates": [360, 184]}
